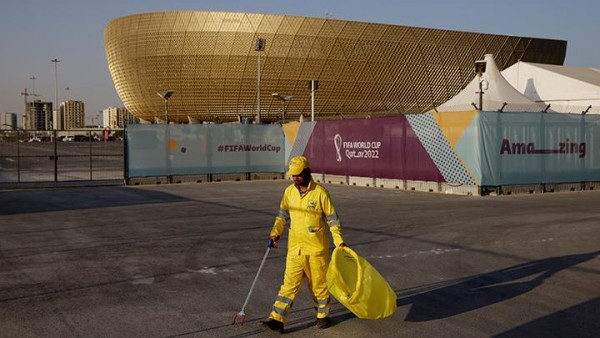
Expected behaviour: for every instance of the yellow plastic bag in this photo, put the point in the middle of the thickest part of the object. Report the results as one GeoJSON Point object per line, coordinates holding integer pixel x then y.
{"type": "Point", "coordinates": [358, 286]}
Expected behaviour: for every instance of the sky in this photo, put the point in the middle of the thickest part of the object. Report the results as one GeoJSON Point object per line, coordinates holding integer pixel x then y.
{"type": "Point", "coordinates": [34, 32]}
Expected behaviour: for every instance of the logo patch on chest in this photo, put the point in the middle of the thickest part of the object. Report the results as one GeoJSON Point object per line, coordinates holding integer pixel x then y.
{"type": "Point", "coordinates": [312, 205]}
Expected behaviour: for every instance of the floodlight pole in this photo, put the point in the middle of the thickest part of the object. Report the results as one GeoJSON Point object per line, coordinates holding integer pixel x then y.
{"type": "Point", "coordinates": [259, 47]}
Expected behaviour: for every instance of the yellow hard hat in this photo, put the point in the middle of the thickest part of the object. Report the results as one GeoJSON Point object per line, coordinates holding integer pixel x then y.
{"type": "Point", "coordinates": [297, 164]}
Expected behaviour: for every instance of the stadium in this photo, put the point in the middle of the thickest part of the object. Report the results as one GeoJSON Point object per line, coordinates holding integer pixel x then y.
{"type": "Point", "coordinates": [226, 66]}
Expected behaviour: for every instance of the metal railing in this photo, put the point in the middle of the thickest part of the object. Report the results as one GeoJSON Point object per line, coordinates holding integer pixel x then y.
{"type": "Point", "coordinates": [60, 157]}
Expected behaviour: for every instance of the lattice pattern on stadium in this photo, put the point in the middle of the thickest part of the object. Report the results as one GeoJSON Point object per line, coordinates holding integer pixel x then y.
{"type": "Point", "coordinates": [209, 60]}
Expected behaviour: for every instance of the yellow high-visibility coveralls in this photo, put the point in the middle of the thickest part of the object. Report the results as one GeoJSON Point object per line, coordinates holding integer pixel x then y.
{"type": "Point", "coordinates": [308, 246]}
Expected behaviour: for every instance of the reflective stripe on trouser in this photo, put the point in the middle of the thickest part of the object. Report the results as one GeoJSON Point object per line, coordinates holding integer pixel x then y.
{"type": "Point", "coordinates": [297, 267]}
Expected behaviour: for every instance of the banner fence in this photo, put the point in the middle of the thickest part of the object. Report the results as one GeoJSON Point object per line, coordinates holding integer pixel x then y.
{"type": "Point", "coordinates": [472, 148]}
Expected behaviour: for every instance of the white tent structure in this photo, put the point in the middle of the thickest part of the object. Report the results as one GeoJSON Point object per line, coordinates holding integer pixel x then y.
{"type": "Point", "coordinates": [490, 91]}
{"type": "Point", "coordinates": [566, 89]}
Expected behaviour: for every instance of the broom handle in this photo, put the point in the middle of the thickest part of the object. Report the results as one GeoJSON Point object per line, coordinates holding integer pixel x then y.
{"type": "Point", "coordinates": [256, 278]}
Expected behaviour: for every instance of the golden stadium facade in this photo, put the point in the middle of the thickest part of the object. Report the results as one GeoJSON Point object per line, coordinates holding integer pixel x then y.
{"type": "Point", "coordinates": [209, 60]}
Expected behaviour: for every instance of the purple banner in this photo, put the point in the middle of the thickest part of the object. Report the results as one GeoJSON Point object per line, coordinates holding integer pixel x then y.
{"type": "Point", "coordinates": [376, 147]}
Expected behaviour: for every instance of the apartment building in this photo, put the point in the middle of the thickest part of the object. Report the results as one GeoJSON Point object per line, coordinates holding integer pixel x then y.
{"type": "Point", "coordinates": [71, 115]}
{"type": "Point", "coordinates": [118, 117]}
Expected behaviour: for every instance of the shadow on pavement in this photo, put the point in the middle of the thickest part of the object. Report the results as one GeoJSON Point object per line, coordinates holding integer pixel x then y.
{"type": "Point", "coordinates": [33, 201]}
{"type": "Point", "coordinates": [487, 289]}
{"type": "Point", "coordinates": [579, 321]}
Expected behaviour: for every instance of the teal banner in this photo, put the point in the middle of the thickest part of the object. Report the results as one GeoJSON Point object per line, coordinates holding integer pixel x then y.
{"type": "Point", "coordinates": [180, 149]}
{"type": "Point", "coordinates": [530, 148]}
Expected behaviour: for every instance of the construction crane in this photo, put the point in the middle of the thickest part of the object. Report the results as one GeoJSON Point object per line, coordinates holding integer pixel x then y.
{"type": "Point", "coordinates": [33, 78]}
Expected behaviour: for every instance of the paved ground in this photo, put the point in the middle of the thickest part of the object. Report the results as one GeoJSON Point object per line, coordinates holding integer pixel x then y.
{"type": "Point", "coordinates": [178, 260]}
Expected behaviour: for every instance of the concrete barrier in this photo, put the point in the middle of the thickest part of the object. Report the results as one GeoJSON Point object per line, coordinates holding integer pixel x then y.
{"type": "Point", "coordinates": [361, 181]}
{"type": "Point", "coordinates": [335, 179]}
{"type": "Point", "coordinates": [390, 183]}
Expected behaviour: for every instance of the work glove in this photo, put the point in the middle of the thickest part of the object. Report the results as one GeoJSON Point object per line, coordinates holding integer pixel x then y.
{"type": "Point", "coordinates": [273, 242]}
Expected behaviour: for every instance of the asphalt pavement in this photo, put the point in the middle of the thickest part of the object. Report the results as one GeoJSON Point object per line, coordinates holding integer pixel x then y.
{"type": "Point", "coordinates": [178, 260]}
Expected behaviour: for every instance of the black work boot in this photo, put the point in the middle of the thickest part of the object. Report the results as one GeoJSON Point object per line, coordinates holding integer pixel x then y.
{"type": "Point", "coordinates": [323, 323]}
{"type": "Point", "coordinates": [274, 325]}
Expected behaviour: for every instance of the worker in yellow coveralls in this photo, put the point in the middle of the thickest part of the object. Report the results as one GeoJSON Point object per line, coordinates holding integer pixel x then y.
{"type": "Point", "coordinates": [307, 206]}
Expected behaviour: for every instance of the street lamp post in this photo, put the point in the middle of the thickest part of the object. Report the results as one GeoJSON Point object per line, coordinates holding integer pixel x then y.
{"type": "Point", "coordinates": [259, 47]}
{"type": "Point", "coordinates": [313, 85]}
{"type": "Point", "coordinates": [284, 100]}
{"type": "Point", "coordinates": [166, 95]}
{"type": "Point", "coordinates": [55, 61]}
{"type": "Point", "coordinates": [479, 70]}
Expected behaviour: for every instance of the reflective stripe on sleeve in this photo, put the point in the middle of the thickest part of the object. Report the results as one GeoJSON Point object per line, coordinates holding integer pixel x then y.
{"type": "Point", "coordinates": [283, 214]}
{"type": "Point", "coordinates": [333, 220]}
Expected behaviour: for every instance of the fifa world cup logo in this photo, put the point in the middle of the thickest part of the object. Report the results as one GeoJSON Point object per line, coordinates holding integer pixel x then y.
{"type": "Point", "coordinates": [337, 141]}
